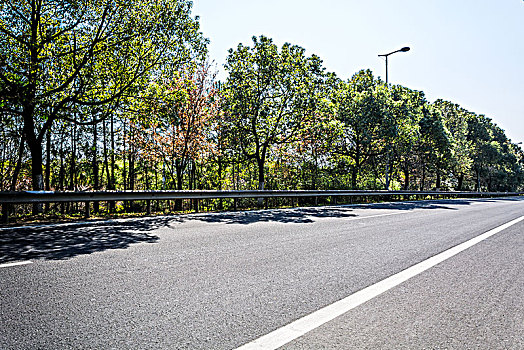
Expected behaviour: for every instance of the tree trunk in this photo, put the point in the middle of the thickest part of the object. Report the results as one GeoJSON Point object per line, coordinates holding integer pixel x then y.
{"type": "Point", "coordinates": [106, 159]}
{"type": "Point", "coordinates": [460, 182]}
{"type": "Point", "coordinates": [146, 169]}
{"type": "Point", "coordinates": [48, 167]}
{"type": "Point", "coordinates": [354, 173]}
{"type": "Point", "coordinates": [261, 175]}
{"type": "Point", "coordinates": [3, 161]}
{"type": "Point", "coordinates": [179, 178]}
{"type": "Point", "coordinates": [34, 143]}
{"type": "Point", "coordinates": [72, 164]}
{"type": "Point", "coordinates": [124, 175]}
{"type": "Point", "coordinates": [112, 183]}
{"type": "Point", "coordinates": [193, 181]}
{"type": "Point", "coordinates": [48, 162]}
{"type": "Point", "coordinates": [387, 174]}
{"type": "Point", "coordinates": [220, 201]}
{"type": "Point", "coordinates": [96, 185]}
{"type": "Point", "coordinates": [132, 174]}
{"type": "Point", "coordinates": [132, 170]}
{"type": "Point", "coordinates": [261, 180]}
{"type": "Point", "coordinates": [18, 166]}
{"type": "Point", "coordinates": [61, 172]}
{"type": "Point", "coordinates": [35, 149]}
{"type": "Point", "coordinates": [406, 177]}
{"type": "Point", "coordinates": [423, 178]}
{"type": "Point", "coordinates": [477, 185]}
{"type": "Point", "coordinates": [315, 172]}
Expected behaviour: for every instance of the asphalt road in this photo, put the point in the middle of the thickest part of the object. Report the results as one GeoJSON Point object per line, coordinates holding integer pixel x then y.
{"type": "Point", "coordinates": [219, 281]}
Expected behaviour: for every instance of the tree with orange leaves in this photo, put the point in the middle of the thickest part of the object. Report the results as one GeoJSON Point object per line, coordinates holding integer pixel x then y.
{"type": "Point", "coordinates": [174, 121]}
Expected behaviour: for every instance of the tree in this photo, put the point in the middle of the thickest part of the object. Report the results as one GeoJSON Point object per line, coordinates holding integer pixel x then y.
{"type": "Point", "coordinates": [55, 55]}
{"type": "Point", "coordinates": [368, 124]}
{"type": "Point", "coordinates": [406, 107]}
{"type": "Point", "coordinates": [455, 120]}
{"type": "Point", "coordinates": [434, 147]}
{"type": "Point", "coordinates": [270, 95]}
{"type": "Point", "coordinates": [174, 119]}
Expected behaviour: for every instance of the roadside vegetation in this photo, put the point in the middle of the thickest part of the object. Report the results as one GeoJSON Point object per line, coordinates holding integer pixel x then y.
{"type": "Point", "coordinates": [120, 95]}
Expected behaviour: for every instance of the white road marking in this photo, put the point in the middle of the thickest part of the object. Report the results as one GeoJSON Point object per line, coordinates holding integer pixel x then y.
{"type": "Point", "coordinates": [376, 216]}
{"type": "Point", "coordinates": [16, 264]}
{"type": "Point", "coordinates": [314, 320]}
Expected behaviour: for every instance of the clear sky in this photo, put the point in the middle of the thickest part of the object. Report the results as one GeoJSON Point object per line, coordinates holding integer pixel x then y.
{"type": "Point", "coordinates": [470, 52]}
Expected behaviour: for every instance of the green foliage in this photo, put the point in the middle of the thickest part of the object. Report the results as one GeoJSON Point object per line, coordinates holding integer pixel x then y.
{"type": "Point", "coordinates": [270, 97]}
{"type": "Point", "coordinates": [368, 126]}
{"type": "Point", "coordinates": [61, 59]}
{"type": "Point", "coordinates": [115, 95]}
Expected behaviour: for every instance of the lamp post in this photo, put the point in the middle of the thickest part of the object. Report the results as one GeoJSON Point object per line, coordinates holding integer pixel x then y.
{"type": "Point", "coordinates": [404, 49]}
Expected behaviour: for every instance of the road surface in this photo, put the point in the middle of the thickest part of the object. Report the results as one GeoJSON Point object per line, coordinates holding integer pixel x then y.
{"type": "Point", "coordinates": [222, 281]}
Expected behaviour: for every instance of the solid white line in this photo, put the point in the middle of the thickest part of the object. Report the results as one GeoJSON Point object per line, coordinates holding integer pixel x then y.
{"type": "Point", "coordinates": [305, 324]}
{"type": "Point", "coordinates": [16, 264]}
{"type": "Point", "coordinates": [377, 216]}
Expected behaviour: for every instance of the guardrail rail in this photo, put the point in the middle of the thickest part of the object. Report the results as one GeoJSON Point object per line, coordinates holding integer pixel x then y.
{"type": "Point", "coordinates": [8, 199]}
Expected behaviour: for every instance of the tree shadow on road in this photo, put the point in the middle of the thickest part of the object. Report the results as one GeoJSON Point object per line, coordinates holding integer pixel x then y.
{"type": "Point", "coordinates": [56, 242]}
{"type": "Point", "coordinates": [308, 214]}
{"type": "Point", "coordinates": [433, 204]}
{"type": "Point", "coordinates": [295, 215]}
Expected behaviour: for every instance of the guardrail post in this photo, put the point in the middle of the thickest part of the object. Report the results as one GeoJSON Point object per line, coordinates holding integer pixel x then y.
{"type": "Point", "coordinates": [196, 205]}
{"type": "Point", "coordinates": [148, 207]}
{"type": "Point", "coordinates": [5, 213]}
{"type": "Point", "coordinates": [235, 204]}
{"type": "Point", "coordinates": [87, 209]}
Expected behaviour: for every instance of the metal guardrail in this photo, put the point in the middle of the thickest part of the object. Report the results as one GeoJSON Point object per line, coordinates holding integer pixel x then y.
{"type": "Point", "coordinates": [24, 197]}
{"type": "Point", "coordinates": [52, 196]}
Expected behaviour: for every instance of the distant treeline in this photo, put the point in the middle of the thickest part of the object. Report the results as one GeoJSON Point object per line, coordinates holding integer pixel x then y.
{"type": "Point", "coordinates": [105, 96]}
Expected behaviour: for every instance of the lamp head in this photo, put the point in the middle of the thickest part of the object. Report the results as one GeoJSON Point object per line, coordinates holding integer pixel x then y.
{"type": "Point", "coordinates": [404, 49]}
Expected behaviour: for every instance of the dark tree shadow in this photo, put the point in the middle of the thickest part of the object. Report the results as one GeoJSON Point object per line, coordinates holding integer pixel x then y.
{"type": "Point", "coordinates": [432, 204]}
{"type": "Point", "coordinates": [308, 214]}
{"type": "Point", "coordinates": [295, 215]}
{"type": "Point", "coordinates": [436, 203]}
{"type": "Point", "coordinates": [55, 242]}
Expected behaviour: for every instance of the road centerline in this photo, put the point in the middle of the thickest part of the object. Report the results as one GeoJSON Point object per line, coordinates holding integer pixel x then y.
{"type": "Point", "coordinates": [296, 329]}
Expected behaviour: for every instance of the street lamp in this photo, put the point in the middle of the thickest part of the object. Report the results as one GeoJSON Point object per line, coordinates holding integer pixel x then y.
{"type": "Point", "coordinates": [404, 49]}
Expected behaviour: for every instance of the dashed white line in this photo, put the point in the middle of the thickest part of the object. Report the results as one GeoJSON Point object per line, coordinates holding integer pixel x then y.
{"type": "Point", "coordinates": [314, 320]}
{"type": "Point", "coordinates": [16, 264]}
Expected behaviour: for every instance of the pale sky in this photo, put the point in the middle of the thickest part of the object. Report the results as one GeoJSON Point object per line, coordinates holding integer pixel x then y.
{"type": "Point", "coordinates": [470, 52]}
